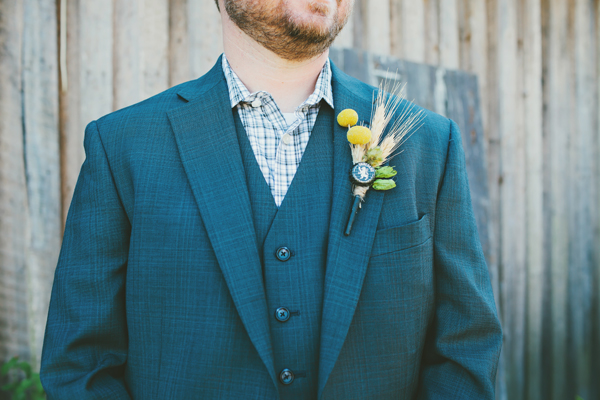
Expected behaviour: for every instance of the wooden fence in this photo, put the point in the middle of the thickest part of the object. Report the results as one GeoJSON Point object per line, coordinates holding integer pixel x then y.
{"type": "Point", "coordinates": [64, 63]}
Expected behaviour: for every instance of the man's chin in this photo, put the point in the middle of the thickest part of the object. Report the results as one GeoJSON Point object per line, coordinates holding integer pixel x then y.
{"type": "Point", "coordinates": [296, 33]}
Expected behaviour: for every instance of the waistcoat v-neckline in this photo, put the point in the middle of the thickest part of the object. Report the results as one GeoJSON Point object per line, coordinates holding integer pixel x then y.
{"type": "Point", "coordinates": [263, 206]}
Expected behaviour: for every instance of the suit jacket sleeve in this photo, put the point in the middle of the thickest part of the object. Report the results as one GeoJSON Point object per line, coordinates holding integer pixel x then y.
{"type": "Point", "coordinates": [463, 343]}
{"type": "Point", "coordinates": [85, 345]}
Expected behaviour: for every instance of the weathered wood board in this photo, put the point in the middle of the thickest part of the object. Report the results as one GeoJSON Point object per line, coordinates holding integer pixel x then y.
{"type": "Point", "coordinates": [14, 324]}
{"type": "Point", "coordinates": [556, 181]}
{"type": "Point", "coordinates": [30, 197]}
{"type": "Point", "coordinates": [42, 161]}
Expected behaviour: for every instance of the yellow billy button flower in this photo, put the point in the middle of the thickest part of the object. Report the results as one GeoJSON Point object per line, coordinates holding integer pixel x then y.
{"type": "Point", "coordinates": [347, 118]}
{"type": "Point", "coordinates": [359, 135]}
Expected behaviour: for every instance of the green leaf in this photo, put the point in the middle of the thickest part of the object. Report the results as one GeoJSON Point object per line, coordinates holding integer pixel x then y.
{"type": "Point", "coordinates": [35, 377]}
{"type": "Point", "coordinates": [10, 387]}
{"type": "Point", "coordinates": [384, 184]}
{"type": "Point", "coordinates": [385, 172]}
{"type": "Point", "coordinates": [25, 367]}
{"type": "Point", "coordinates": [26, 383]}
{"type": "Point", "coordinates": [9, 365]}
{"type": "Point", "coordinates": [20, 389]}
{"type": "Point", "coordinates": [28, 388]}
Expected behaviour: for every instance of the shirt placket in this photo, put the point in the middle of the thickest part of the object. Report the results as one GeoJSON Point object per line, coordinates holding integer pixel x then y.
{"type": "Point", "coordinates": [272, 127]}
{"type": "Point", "coordinates": [286, 161]}
{"type": "Point", "coordinates": [260, 135]}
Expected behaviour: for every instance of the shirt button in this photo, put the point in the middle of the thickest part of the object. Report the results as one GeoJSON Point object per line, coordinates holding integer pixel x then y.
{"type": "Point", "coordinates": [283, 254]}
{"type": "Point", "coordinates": [256, 103]}
{"type": "Point", "coordinates": [286, 139]}
{"type": "Point", "coordinates": [286, 376]}
{"type": "Point", "coordinates": [282, 314]}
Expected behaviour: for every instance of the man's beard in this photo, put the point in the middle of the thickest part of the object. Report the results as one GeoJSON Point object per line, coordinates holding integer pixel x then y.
{"type": "Point", "coordinates": [278, 32]}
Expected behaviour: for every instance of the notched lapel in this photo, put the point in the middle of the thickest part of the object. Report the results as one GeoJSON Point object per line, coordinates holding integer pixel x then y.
{"type": "Point", "coordinates": [347, 256]}
{"type": "Point", "coordinates": [206, 138]}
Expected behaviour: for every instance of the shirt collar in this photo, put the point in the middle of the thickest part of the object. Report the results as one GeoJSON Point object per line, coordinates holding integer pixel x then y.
{"type": "Point", "coordinates": [238, 92]}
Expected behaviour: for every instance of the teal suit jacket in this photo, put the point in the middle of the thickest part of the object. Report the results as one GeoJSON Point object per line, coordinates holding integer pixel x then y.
{"type": "Point", "coordinates": [158, 292]}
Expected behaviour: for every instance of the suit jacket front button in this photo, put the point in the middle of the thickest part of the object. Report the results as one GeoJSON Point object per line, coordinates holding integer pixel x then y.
{"type": "Point", "coordinates": [282, 314]}
{"type": "Point", "coordinates": [283, 254]}
{"type": "Point", "coordinates": [286, 376]}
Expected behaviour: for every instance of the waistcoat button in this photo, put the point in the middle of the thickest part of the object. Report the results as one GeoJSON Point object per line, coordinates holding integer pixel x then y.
{"type": "Point", "coordinates": [286, 376]}
{"type": "Point", "coordinates": [283, 254]}
{"type": "Point", "coordinates": [282, 314]}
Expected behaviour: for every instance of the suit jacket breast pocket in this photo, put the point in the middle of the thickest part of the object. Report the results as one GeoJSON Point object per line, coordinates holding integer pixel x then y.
{"type": "Point", "coordinates": [401, 237]}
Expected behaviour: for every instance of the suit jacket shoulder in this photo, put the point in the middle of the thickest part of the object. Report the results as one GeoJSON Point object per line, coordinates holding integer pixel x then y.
{"type": "Point", "coordinates": [152, 111]}
{"type": "Point", "coordinates": [138, 137]}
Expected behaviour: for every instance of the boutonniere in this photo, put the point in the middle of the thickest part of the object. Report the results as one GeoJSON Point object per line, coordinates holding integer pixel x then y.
{"type": "Point", "coordinates": [371, 149]}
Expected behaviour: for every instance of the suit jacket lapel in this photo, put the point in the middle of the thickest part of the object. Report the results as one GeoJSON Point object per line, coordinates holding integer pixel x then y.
{"type": "Point", "coordinates": [206, 138]}
{"type": "Point", "coordinates": [347, 256]}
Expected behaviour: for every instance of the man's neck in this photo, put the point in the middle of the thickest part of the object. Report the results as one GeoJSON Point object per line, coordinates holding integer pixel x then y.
{"type": "Point", "coordinates": [290, 83]}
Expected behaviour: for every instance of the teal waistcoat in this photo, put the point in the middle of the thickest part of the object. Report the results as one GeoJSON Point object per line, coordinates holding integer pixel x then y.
{"type": "Point", "coordinates": [295, 284]}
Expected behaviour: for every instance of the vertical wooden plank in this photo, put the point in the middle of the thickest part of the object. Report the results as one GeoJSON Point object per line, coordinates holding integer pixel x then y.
{"type": "Point", "coordinates": [449, 34]}
{"type": "Point", "coordinates": [378, 22]}
{"type": "Point", "coordinates": [71, 125]}
{"type": "Point", "coordinates": [432, 31]}
{"type": "Point", "coordinates": [345, 38]}
{"type": "Point", "coordinates": [572, 198]}
{"type": "Point", "coordinates": [89, 94]}
{"type": "Point", "coordinates": [530, 38]}
{"type": "Point", "coordinates": [96, 59]}
{"type": "Point", "coordinates": [13, 190]}
{"type": "Point", "coordinates": [205, 36]}
{"type": "Point", "coordinates": [547, 319]}
{"type": "Point", "coordinates": [141, 62]}
{"type": "Point", "coordinates": [407, 28]}
{"type": "Point", "coordinates": [491, 126]}
{"type": "Point", "coordinates": [479, 46]}
{"type": "Point", "coordinates": [492, 131]}
{"type": "Point", "coordinates": [512, 195]}
{"type": "Point", "coordinates": [42, 164]}
{"type": "Point", "coordinates": [581, 223]}
{"type": "Point", "coordinates": [359, 23]}
{"type": "Point", "coordinates": [557, 125]}
{"type": "Point", "coordinates": [596, 214]}
{"type": "Point", "coordinates": [371, 24]}
{"type": "Point", "coordinates": [128, 57]}
{"type": "Point", "coordinates": [179, 55]}
{"type": "Point", "coordinates": [154, 35]}
{"type": "Point", "coordinates": [464, 32]}
{"type": "Point", "coordinates": [472, 15]}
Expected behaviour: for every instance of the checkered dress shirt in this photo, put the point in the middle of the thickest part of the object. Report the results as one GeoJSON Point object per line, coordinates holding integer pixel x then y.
{"type": "Point", "coordinates": [278, 148]}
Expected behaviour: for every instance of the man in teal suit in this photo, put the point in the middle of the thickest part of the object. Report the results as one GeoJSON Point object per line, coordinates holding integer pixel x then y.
{"type": "Point", "coordinates": [204, 255]}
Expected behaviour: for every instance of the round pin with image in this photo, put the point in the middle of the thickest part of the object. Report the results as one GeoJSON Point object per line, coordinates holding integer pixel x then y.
{"type": "Point", "coordinates": [362, 174]}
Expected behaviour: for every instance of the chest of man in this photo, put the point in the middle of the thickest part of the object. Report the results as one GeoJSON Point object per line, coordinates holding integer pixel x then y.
{"type": "Point", "coordinates": [204, 281]}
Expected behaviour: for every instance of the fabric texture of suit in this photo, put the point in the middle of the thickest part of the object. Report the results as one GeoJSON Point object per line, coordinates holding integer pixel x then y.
{"type": "Point", "coordinates": [159, 290]}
